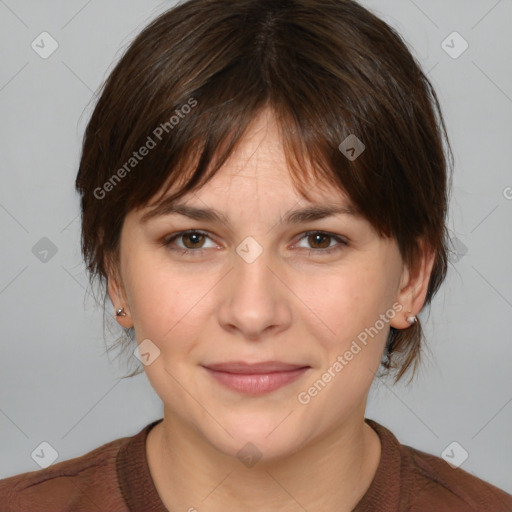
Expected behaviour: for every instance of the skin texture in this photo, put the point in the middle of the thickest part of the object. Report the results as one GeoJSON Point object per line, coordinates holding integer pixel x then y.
{"type": "Point", "coordinates": [291, 304]}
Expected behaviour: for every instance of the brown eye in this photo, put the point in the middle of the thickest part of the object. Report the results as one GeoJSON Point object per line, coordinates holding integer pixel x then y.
{"type": "Point", "coordinates": [195, 238]}
{"type": "Point", "coordinates": [191, 241]}
{"type": "Point", "coordinates": [320, 242]}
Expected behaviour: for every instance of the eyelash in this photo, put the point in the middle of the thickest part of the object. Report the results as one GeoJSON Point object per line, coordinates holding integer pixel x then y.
{"type": "Point", "coordinates": [169, 240]}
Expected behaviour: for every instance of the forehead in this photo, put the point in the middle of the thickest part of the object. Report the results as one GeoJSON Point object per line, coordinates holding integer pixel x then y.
{"type": "Point", "coordinates": [259, 154]}
{"type": "Point", "coordinates": [261, 192]}
{"type": "Point", "coordinates": [257, 170]}
{"type": "Point", "coordinates": [261, 188]}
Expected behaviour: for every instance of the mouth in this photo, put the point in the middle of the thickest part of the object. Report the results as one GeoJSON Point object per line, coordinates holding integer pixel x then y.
{"type": "Point", "coordinates": [255, 378]}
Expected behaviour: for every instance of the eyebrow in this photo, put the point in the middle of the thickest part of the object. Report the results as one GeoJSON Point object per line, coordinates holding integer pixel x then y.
{"type": "Point", "coordinates": [307, 214]}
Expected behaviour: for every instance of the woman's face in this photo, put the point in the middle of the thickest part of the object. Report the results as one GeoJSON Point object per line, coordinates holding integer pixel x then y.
{"type": "Point", "coordinates": [256, 288]}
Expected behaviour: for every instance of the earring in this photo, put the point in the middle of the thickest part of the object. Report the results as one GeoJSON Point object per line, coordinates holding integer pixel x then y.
{"type": "Point", "coordinates": [120, 312]}
{"type": "Point", "coordinates": [411, 319]}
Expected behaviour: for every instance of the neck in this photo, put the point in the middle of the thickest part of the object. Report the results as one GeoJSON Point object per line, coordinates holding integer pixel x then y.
{"type": "Point", "coordinates": [330, 474]}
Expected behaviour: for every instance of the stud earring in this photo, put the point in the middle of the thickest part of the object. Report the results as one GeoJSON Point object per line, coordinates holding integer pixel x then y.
{"type": "Point", "coordinates": [120, 312]}
{"type": "Point", "coordinates": [411, 319]}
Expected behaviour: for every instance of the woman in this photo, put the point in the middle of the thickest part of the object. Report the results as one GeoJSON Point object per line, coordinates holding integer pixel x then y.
{"type": "Point", "coordinates": [264, 190]}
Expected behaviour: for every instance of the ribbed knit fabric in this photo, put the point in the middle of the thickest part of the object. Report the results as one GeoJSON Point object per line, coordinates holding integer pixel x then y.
{"type": "Point", "coordinates": [116, 477]}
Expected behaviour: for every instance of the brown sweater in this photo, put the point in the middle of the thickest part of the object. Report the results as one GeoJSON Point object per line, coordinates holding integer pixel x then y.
{"type": "Point", "coordinates": [115, 477]}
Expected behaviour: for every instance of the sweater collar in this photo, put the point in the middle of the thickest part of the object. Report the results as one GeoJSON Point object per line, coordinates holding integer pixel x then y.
{"type": "Point", "coordinates": [140, 494]}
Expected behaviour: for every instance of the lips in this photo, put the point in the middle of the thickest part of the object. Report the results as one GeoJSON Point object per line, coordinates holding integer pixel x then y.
{"type": "Point", "coordinates": [265, 367]}
{"type": "Point", "coordinates": [255, 378]}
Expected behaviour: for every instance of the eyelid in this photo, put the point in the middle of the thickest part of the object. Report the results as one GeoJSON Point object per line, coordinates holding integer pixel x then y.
{"type": "Point", "coordinates": [341, 242]}
{"type": "Point", "coordinates": [168, 240]}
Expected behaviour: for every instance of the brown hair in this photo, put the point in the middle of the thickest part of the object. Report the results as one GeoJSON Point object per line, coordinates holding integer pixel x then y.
{"type": "Point", "coordinates": [201, 71]}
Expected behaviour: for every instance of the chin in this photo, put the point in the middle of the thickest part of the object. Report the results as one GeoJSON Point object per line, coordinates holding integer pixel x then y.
{"type": "Point", "coordinates": [251, 451]}
{"type": "Point", "coordinates": [257, 438]}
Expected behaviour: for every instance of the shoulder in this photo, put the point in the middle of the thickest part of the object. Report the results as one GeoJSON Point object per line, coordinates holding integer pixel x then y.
{"type": "Point", "coordinates": [431, 480]}
{"type": "Point", "coordinates": [410, 480]}
{"type": "Point", "coordinates": [75, 484]}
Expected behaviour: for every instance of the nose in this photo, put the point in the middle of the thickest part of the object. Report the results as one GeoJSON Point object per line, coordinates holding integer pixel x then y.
{"type": "Point", "coordinates": [255, 299]}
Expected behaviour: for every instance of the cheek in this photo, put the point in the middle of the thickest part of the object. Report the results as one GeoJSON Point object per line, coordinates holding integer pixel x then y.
{"type": "Point", "coordinates": [166, 304]}
{"type": "Point", "coordinates": [347, 301]}
{"type": "Point", "coordinates": [354, 336]}
{"type": "Point", "coordinates": [151, 295]}
{"type": "Point", "coordinates": [349, 306]}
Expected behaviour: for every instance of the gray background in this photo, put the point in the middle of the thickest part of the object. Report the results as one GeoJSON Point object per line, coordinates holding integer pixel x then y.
{"type": "Point", "coordinates": [57, 384]}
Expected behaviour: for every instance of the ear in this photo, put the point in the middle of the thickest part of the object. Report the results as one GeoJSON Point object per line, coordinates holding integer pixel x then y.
{"type": "Point", "coordinates": [414, 285]}
{"type": "Point", "coordinates": [117, 296]}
